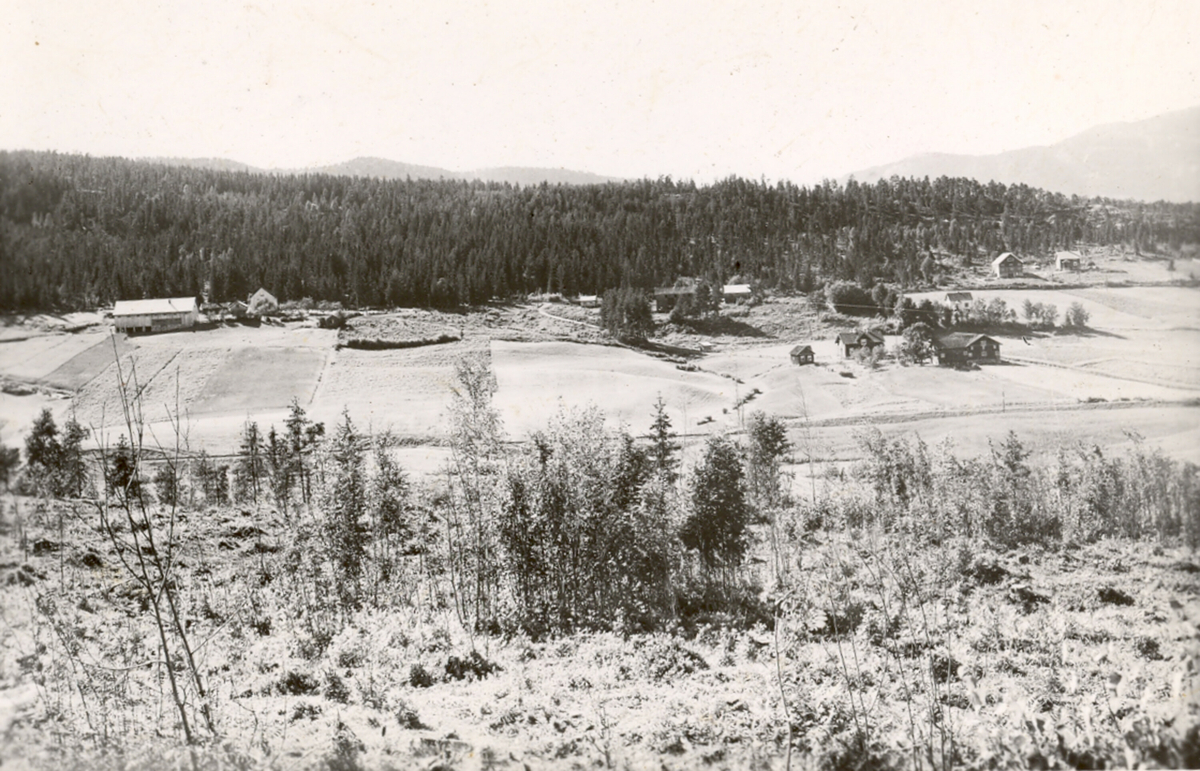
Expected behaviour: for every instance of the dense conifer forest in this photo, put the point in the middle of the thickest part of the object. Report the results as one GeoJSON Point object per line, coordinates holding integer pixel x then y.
{"type": "Point", "coordinates": [77, 232]}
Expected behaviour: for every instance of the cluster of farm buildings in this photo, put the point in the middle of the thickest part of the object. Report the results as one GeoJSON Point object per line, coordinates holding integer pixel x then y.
{"type": "Point", "coordinates": [951, 348]}
{"type": "Point", "coordinates": [168, 314]}
{"type": "Point", "coordinates": [1009, 265]}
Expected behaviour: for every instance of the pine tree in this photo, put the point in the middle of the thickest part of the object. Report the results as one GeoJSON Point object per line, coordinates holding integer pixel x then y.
{"type": "Point", "coordinates": [344, 503]}
{"type": "Point", "coordinates": [720, 516]}
{"type": "Point", "coordinates": [123, 478]}
{"type": "Point", "coordinates": [250, 463]}
{"type": "Point", "coordinates": [662, 444]}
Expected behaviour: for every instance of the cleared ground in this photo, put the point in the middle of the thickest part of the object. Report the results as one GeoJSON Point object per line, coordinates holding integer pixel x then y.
{"type": "Point", "coordinates": [537, 379]}
{"type": "Point", "coordinates": [252, 379]}
{"type": "Point", "coordinates": [1151, 334]}
{"type": "Point", "coordinates": [406, 391]}
{"type": "Point", "coordinates": [34, 358]}
{"type": "Point", "coordinates": [1143, 344]}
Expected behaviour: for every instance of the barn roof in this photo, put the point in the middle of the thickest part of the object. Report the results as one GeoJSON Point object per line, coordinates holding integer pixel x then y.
{"type": "Point", "coordinates": [959, 340]}
{"type": "Point", "coordinates": [852, 338]}
{"type": "Point", "coordinates": [155, 306]}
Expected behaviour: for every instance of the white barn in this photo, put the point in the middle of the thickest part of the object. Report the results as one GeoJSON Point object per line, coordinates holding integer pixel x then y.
{"type": "Point", "coordinates": [158, 315]}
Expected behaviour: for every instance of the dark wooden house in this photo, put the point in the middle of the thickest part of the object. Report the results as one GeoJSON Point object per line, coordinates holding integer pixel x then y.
{"type": "Point", "coordinates": [965, 348]}
{"type": "Point", "coordinates": [1008, 265]}
{"type": "Point", "coordinates": [851, 342]}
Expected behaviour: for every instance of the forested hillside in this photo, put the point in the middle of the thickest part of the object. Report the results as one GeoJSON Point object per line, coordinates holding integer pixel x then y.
{"type": "Point", "coordinates": [77, 231]}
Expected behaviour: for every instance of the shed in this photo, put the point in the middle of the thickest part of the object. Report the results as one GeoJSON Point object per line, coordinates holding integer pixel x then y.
{"type": "Point", "coordinates": [1067, 261]}
{"type": "Point", "coordinates": [965, 347]}
{"type": "Point", "coordinates": [802, 354]}
{"type": "Point", "coordinates": [157, 315]}
{"type": "Point", "coordinates": [853, 341]}
{"type": "Point", "coordinates": [666, 297]}
{"type": "Point", "coordinates": [1007, 265]}
{"type": "Point", "coordinates": [959, 298]}
{"type": "Point", "coordinates": [732, 293]}
{"type": "Point", "coordinates": [589, 301]}
{"type": "Point", "coordinates": [261, 303]}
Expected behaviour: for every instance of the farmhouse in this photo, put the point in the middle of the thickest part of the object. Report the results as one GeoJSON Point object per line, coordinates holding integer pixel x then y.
{"type": "Point", "coordinates": [1007, 265]}
{"type": "Point", "coordinates": [262, 302]}
{"type": "Point", "coordinates": [734, 292]}
{"type": "Point", "coordinates": [963, 347]}
{"type": "Point", "coordinates": [802, 354]}
{"type": "Point", "coordinates": [959, 298]}
{"type": "Point", "coordinates": [158, 315]}
{"type": "Point", "coordinates": [853, 341]}
{"type": "Point", "coordinates": [665, 297]}
{"type": "Point", "coordinates": [1067, 261]}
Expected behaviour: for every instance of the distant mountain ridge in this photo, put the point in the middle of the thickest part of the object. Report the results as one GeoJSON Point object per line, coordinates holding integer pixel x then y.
{"type": "Point", "coordinates": [1148, 160]}
{"type": "Point", "coordinates": [388, 169]}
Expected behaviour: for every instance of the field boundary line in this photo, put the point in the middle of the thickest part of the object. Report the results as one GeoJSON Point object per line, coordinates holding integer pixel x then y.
{"type": "Point", "coordinates": [542, 310]}
{"type": "Point", "coordinates": [1080, 368]}
{"type": "Point", "coordinates": [1033, 407]}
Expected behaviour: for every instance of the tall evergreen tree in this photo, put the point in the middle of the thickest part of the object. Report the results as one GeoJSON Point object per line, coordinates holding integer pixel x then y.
{"type": "Point", "coordinates": [718, 525]}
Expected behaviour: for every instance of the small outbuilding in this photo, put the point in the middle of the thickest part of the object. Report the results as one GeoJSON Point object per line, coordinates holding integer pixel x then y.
{"type": "Point", "coordinates": [157, 315]}
{"type": "Point", "coordinates": [666, 297]}
{"type": "Point", "coordinates": [964, 348]}
{"type": "Point", "coordinates": [261, 303]}
{"type": "Point", "coordinates": [851, 342]}
{"type": "Point", "coordinates": [1008, 265]}
{"type": "Point", "coordinates": [959, 298]}
{"type": "Point", "coordinates": [733, 293]}
{"type": "Point", "coordinates": [802, 354]}
{"type": "Point", "coordinates": [588, 301]}
{"type": "Point", "coordinates": [1067, 261]}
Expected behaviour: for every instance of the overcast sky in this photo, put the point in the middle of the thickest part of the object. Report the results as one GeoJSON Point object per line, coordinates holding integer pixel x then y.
{"type": "Point", "coordinates": [691, 89]}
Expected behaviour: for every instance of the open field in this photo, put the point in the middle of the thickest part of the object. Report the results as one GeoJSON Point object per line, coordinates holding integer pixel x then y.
{"type": "Point", "coordinates": [252, 379]}
{"type": "Point", "coordinates": [34, 358]}
{"type": "Point", "coordinates": [85, 367]}
{"type": "Point", "coordinates": [535, 378]}
{"type": "Point", "coordinates": [1148, 334]}
{"type": "Point", "coordinates": [1143, 344]}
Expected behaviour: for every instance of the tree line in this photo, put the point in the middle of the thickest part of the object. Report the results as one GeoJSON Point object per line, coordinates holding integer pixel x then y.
{"type": "Point", "coordinates": [77, 232]}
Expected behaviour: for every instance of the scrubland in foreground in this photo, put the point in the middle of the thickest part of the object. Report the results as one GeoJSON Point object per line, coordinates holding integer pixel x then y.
{"type": "Point", "coordinates": [582, 601]}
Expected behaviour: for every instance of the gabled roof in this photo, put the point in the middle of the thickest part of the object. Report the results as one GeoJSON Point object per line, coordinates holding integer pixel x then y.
{"type": "Point", "coordinates": [1005, 257]}
{"type": "Point", "coordinates": [683, 285]}
{"type": "Point", "coordinates": [959, 297]}
{"type": "Point", "coordinates": [954, 341]}
{"type": "Point", "coordinates": [854, 338]}
{"type": "Point", "coordinates": [155, 306]}
{"type": "Point", "coordinates": [1066, 256]}
{"type": "Point", "coordinates": [799, 349]}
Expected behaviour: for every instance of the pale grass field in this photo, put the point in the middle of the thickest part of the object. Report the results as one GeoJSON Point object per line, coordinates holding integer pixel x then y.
{"type": "Point", "coordinates": [257, 378]}
{"type": "Point", "coordinates": [537, 379]}
{"type": "Point", "coordinates": [37, 357]}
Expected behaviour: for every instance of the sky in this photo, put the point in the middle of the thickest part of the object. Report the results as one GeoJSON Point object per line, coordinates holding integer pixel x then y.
{"type": "Point", "coordinates": [699, 89]}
